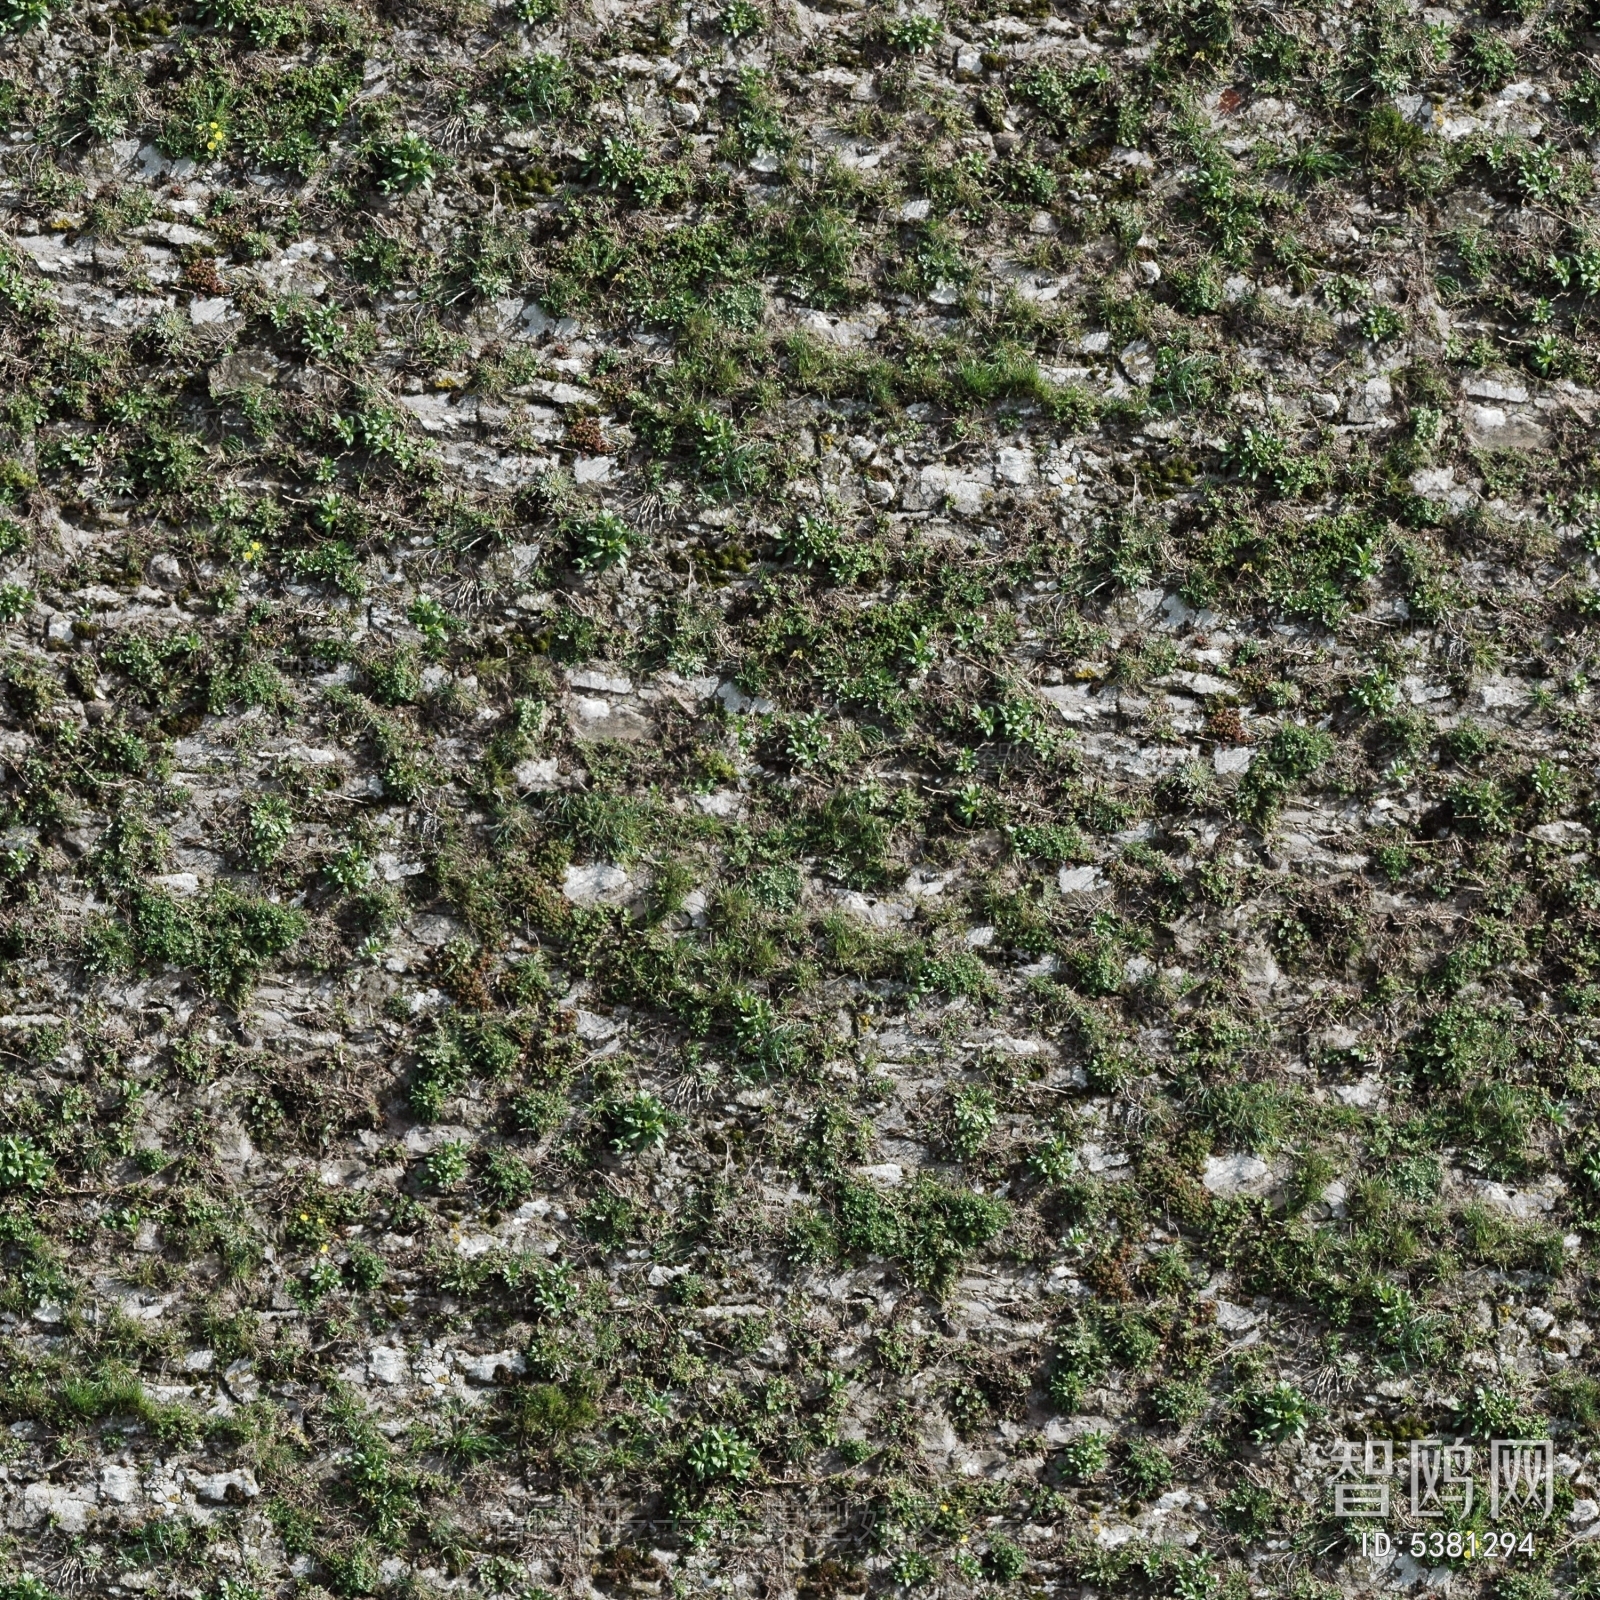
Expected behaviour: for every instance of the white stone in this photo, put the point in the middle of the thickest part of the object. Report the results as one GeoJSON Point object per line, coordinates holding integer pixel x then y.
{"type": "Point", "coordinates": [1524, 1204]}
{"type": "Point", "coordinates": [70, 1509]}
{"type": "Point", "coordinates": [534, 776]}
{"type": "Point", "coordinates": [1138, 362]}
{"type": "Point", "coordinates": [1433, 480]}
{"type": "Point", "coordinates": [1015, 466]}
{"type": "Point", "coordinates": [1495, 693]}
{"type": "Point", "coordinates": [1371, 400]}
{"type": "Point", "coordinates": [505, 313]}
{"type": "Point", "coordinates": [601, 882]}
{"type": "Point", "coordinates": [602, 682]}
{"type": "Point", "coordinates": [880, 913]}
{"type": "Point", "coordinates": [386, 1364]}
{"type": "Point", "coordinates": [735, 700]}
{"type": "Point", "coordinates": [1097, 1159]}
{"type": "Point", "coordinates": [242, 1381]}
{"type": "Point", "coordinates": [536, 324]}
{"type": "Point", "coordinates": [595, 718]}
{"type": "Point", "coordinates": [1366, 1093]}
{"type": "Point", "coordinates": [1074, 701]}
{"type": "Point", "coordinates": [225, 1488]}
{"type": "Point", "coordinates": [177, 233]}
{"type": "Point", "coordinates": [1494, 428]}
{"type": "Point", "coordinates": [492, 1368]}
{"type": "Point", "coordinates": [427, 1138]}
{"type": "Point", "coordinates": [1235, 1319]}
{"type": "Point", "coordinates": [435, 413]}
{"type": "Point", "coordinates": [889, 1172]}
{"type": "Point", "coordinates": [1236, 1174]}
{"type": "Point", "coordinates": [119, 1485]}
{"type": "Point", "coordinates": [1565, 832]}
{"type": "Point", "coordinates": [48, 250]}
{"type": "Point", "coordinates": [592, 1028]}
{"type": "Point", "coordinates": [1231, 759]}
{"type": "Point", "coordinates": [391, 869]}
{"type": "Point", "coordinates": [965, 493]}
{"type": "Point", "coordinates": [564, 394]}
{"type": "Point", "coordinates": [720, 803]}
{"type": "Point", "coordinates": [591, 469]}
{"type": "Point", "coordinates": [846, 332]}
{"type": "Point", "coordinates": [212, 308]}
{"type": "Point", "coordinates": [1493, 389]}
{"type": "Point", "coordinates": [1080, 880]}
{"type": "Point", "coordinates": [1200, 683]}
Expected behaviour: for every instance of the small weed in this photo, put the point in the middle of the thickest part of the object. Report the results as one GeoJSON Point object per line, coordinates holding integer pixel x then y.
{"type": "Point", "coordinates": [404, 164]}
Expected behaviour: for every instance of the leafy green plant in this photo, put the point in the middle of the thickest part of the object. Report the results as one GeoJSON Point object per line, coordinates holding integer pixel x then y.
{"type": "Point", "coordinates": [1382, 323]}
{"type": "Point", "coordinates": [913, 34]}
{"type": "Point", "coordinates": [269, 825]}
{"type": "Point", "coordinates": [972, 1118]}
{"type": "Point", "coordinates": [639, 1122]}
{"type": "Point", "coordinates": [1004, 1561]}
{"type": "Point", "coordinates": [23, 1165]}
{"type": "Point", "coordinates": [1490, 59]}
{"type": "Point", "coordinates": [533, 88]}
{"type": "Point", "coordinates": [1251, 1511]}
{"type": "Point", "coordinates": [1482, 807]}
{"type": "Point", "coordinates": [405, 163]}
{"type": "Point", "coordinates": [1279, 1413]}
{"type": "Point", "coordinates": [507, 1178]}
{"type": "Point", "coordinates": [1085, 1456]}
{"type": "Point", "coordinates": [1146, 1469]}
{"type": "Point", "coordinates": [602, 540]}
{"type": "Point", "coordinates": [1293, 754]}
{"type": "Point", "coordinates": [446, 1167]}
{"type": "Point", "coordinates": [741, 17]}
{"type": "Point", "coordinates": [223, 938]}
{"type": "Point", "coordinates": [718, 1455]}
{"type": "Point", "coordinates": [18, 16]}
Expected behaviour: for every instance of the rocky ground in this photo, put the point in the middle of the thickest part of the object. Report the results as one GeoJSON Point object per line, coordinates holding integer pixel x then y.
{"type": "Point", "coordinates": [799, 802]}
